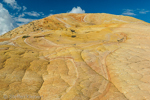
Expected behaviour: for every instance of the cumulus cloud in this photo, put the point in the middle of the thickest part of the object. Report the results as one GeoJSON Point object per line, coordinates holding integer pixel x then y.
{"type": "Point", "coordinates": [76, 10]}
{"type": "Point", "coordinates": [128, 12]}
{"type": "Point", "coordinates": [6, 21]}
{"type": "Point", "coordinates": [13, 4]}
{"type": "Point", "coordinates": [10, 21]}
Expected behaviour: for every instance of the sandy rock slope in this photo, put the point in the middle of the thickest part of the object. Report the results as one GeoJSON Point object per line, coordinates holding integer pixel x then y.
{"type": "Point", "coordinates": [76, 57]}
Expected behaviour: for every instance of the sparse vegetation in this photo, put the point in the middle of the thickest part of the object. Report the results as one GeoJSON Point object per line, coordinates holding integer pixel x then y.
{"type": "Point", "coordinates": [121, 40]}
{"type": "Point", "coordinates": [72, 30]}
{"type": "Point", "coordinates": [25, 36]}
{"type": "Point", "coordinates": [73, 36]}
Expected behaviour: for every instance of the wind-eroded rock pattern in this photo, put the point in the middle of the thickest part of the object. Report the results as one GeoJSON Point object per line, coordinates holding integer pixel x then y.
{"type": "Point", "coordinates": [76, 57]}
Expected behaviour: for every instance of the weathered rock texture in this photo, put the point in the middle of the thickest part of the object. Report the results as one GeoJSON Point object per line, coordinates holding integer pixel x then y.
{"type": "Point", "coordinates": [76, 57]}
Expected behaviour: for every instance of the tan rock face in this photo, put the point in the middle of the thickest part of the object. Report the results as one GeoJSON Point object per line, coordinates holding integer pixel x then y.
{"type": "Point", "coordinates": [76, 57]}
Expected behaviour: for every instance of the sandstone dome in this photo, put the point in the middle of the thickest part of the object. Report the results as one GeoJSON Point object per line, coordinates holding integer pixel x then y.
{"type": "Point", "coordinates": [76, 57]}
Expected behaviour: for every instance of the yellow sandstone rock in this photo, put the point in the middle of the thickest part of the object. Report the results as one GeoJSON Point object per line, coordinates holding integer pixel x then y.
{"type": "Point", "coordinates": [76, 57]}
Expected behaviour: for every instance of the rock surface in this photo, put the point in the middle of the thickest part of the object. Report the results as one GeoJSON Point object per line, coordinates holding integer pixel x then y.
{"type": "Point", "coordinates": [76, 57]}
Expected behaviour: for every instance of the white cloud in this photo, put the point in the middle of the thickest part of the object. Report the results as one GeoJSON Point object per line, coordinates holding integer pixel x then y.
{"type": "Point", "coordinates": [13, 4]}
{"type": "Point", "coordinates": [33, 13]}
{"type": "Point", "coordinates": [143, 11]}
{"type": "Point", "coordinates": [24, 8]}
{"type": "Point", "coordinates": [21, 15]}
{"type": "Point", "coordinates": [50, 15]}
{"type": "Point", "coordinates": [10, 21]}
{"type": "Point", "coordinates": [41, 13]}
{"type": "Point", "coordinates": [76, 10]}
{"type": "Point", "coordinates": [6, 21]}
{"type": "Point", "coordinates": [22, 21]}
{"type": "Point", "coordinates": [129, 12]}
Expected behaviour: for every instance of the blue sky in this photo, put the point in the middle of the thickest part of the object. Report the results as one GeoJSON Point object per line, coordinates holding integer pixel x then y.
{"type": "Point", "coordinates": [14, 13]}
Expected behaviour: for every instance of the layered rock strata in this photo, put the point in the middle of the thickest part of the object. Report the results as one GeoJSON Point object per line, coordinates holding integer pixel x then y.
{"type": "Point", "coordinates": [76, 57]}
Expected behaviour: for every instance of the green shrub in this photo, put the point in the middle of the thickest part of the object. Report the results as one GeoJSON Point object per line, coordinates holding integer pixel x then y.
{"type": "Point", "coordinates": [25, 36]}
{"type": "Point", "coordinates": [73, 36]}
